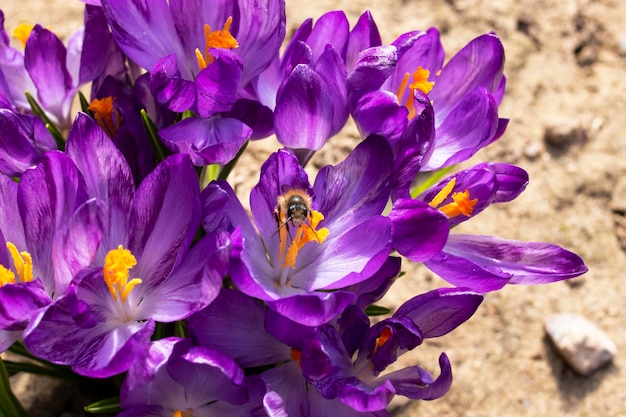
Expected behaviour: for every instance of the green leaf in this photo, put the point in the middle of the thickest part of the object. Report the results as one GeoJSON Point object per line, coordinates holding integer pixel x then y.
{"type": "Point", "coordinates": [110, 405]}
{"type": "Point", "coordinates": [84, 104]}
{"type": "Point", "coordinates": [153, 134]}
{"type": "Point", "coordinates": [375, 310]}
{"type": "Point", "coordinates": [430, 181]}
{"type": "Point", "coordinates": [9, 405]}
{"type": "Point", "coordinates": [39, 112]}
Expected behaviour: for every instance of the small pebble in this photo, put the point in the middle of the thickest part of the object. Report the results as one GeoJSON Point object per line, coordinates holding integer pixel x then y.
{"type": "Point", "coordinates": [580, 342]}
{"type": "Point", "coordinates": [563, 133]}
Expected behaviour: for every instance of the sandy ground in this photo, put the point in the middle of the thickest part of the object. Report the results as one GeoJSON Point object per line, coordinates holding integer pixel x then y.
{"type": "Point", "coordinates": [565, 69]}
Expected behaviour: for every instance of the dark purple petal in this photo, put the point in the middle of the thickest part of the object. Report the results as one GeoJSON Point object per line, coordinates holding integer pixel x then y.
{"type": "Point", "coordinates": [44, 58]}
{"type": "Point", "coordinates": [512, 181]}
{"type": "Point", "coordinates": [479, 64]}
{"type": "Point", "coordinates": [252, 113]}
{"type": "Point", "coordinates": [95, 45]}
{"type": "Point", "coordinates": [261, 31]}
{"type": "Point", "coordinates": [207, 373]}
{"type": "Point", "coordinates": [164, 218]}
{"type": "Point", "coordinates": [332, 69]}
{"type": "Point", "coordinates": [312, 309]}
{"type": "Point", "coordinates": [217, 84]}
{"type": "Point", "coordinates": [292, 334]}
{"type": "Point", "coordinates": [417, 384]}
{"type": "Point", "coordinates": [379, 113]}
{"type": "Point", "coordinates": [363, 35]}
{"type": "Point", "coordinates": [146, 33]}
{"type": "Point", "coordinates": [419, 231]}
{"type": "Point", "coordinates": [207, 141]}
{"type": "Point", "coordinates": [169, 88]}
{"type": "Point", "coordinates": [376, 286]}
{"type": "Point", "coordinates": [440, 311]}
{"type": "Point", "coordinates": [23, 142]}
{"type": "Point", "coordinates": [304, 111]}
{"type": "Point", "coordinates": [233, 323]}
{"type": "Point", "coordinates": [331, 28]}
{"type": "Point", "coordinates": [18, 302]}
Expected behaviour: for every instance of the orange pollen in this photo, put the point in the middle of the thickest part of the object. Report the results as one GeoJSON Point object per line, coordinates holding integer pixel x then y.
{"type": "Point", "coordinates": [220, 39]}
{"type": "Point", "coordinates": [184, 413]}
{"type": "Point", "coordinates": [384, 337]}
{"type": "Point", "coordinates": [23, 263]}
{"type": "Point", "coordinates": [22, 32]}
{"type": "Point", "coordinates": [303, 234]}
{"type": "Point", "coordinates": [296, 355]}
{"type": "Point", "coordinates": [117, 263]}
{"type": "Point", "coordinates": [420, 82]}
{"type": "Point", "coordinates": [461, 203]}
{"type": "Point", "coordinates": [107, 116]}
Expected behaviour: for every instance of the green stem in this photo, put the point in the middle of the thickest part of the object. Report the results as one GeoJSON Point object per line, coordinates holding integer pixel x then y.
{"type": "Point", "coordinates": [39, 112]}
{"type": "Point", "coordinates": [153, 134]}
{"type": "Point", "coordinates": [9, 405]}
{"type": "Point", "coordinates": [430, 181]}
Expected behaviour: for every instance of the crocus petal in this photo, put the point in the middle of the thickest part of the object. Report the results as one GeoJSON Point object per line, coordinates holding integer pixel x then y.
{"type": "Point", "coordinates": [145, 32]}
{"type": "Point", "coordinates": [47, 197]}
{"type": "Point", "coordinates": [169, 88]}
{"type": "Point", "coordinates": [23, 141]}
{"type": "Point", "coordinates": [254, 114]}
{"type": "Point", "coordinates": [312, 309]}
{"type": "Point", "coordinates": [479, 64]}
{"type": "Point", "coordinates": [468, 127]}
{"type": "Point", "coordinates": [331, 28]}
{"type": "Point", "coordinates": [440, 311]}
{"type": "Point", "coordinates": [363, 35]}
{"type": "Point", "coordinates": [10, 222]}
{"type": "Point", "coordinates": [44, 58]}
{"type": "Point", "coordinates": [236, 326]}
{"type": "Point", "coordinates": [417, 384]}
{"type": "Point", "coordinates": [332, 69]}
{"type": "Point", "coordinates": [379, 113]}
{"type": "Point", "coordinates": [165, 217]}
{"type": "Point", "coordinates": [356, 188]}
{"type": "Point", "coordinates": [304, 110]}
{"type": "Point", "coordinates": [18, 301]}
{"type": "Point", "coordinates": [486, 263]}
{"type": "Point", "coordinates": [106, 173]}
{"type": "Point", "coordinates": [7, 338]}
{"type": "Point", "coordinates": [192, 285]}
{"type": "Point", "coordinates": [410, 216]}
{"type": "Point", "coordinates": [261, 31]}
{"type": "Point", "coordinates": [214, 140]}
{"type": "Point", "coordinates": [14, 78]}
{"type": "Point", "coordinates": [217, 84]}
{"type": "Point", "coordinates": [94, 45]}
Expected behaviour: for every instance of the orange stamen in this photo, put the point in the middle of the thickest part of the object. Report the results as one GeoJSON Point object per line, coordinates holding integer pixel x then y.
{"type": "Point", "coordinates": [420, 82]}
{"type": "Point", "coordinates": [305, 233]}
{"type": "Point", "coordinates": [220, 39]}
{"type": "Point", "coordinates": [461, 203]}
{"type": "Point", "coordinates": [106, 115]}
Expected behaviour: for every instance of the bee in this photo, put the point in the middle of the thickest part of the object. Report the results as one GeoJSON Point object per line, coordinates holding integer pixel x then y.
{"type": "Point", "coordinates": [294, 207]}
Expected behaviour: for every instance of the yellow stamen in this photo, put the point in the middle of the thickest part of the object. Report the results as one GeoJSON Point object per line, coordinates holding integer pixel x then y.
{"type": "Point", "coordinates": [305, 233]}
{"type": "Point", "coordinates": [182, 413]}
{"type": "Point", "coordinates": [23, 263]}
{"type": "Point", "coordinates": [220, 39]}
{"type": "Point", "coordinates": [117, 263]}
{"type": "Point", "coordinates": [106, 115]}
{"type": "Point", "coordinates": [22, 32]}
{"type": "Point", "coordinates": [420, 82]}
{"type": "Point", "coordinates": [6, 276]}
{"type": "Point", "coordinates": [461, 203]}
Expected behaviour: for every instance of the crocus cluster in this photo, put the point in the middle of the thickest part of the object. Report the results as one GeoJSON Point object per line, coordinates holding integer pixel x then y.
{"type": "Point", "coordinates": [126, 254]}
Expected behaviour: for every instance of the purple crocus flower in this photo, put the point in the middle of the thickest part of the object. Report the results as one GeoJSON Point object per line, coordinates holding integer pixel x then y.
{"type": "Point", "coordinates": [143, 269]}
{"type": "Point", "coordinates": [306, 243]}
{"type": "Point", "coordinates": [306, 87]}
{"type": "Point", "coordinates": [201, 58]}
{"type": "Point", "coordinates": [483, 263]}
{"type": "Point", "coordinates": [387, 83]}
{"type": "Point", "coordinates": [51, 72]}
{"type": "Point", "coordinates": [23, 142]}
{"type": "Point", "coordinates": [348, 362]}
{"type": "Point", "coordinates": [177, 379]}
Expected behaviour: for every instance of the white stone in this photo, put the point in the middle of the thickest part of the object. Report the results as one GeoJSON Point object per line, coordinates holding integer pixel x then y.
{"type": "Point", "coordinates": [580, 342]}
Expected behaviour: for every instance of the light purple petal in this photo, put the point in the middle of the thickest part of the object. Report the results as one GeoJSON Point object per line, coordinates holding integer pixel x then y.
{"type": "Point", "coordinates": [363, 35]}
{"type": "Point", "coordinates": [23, 141]}
{"type": "Point", "coordinates": [169, 87]}
{"type": "Point", "coordinates": [164, 218]}
{"type": "Point", "coordinates": [18, 302]}
{"type": "Point", "coordinates": [215, 140]}
{"type": "Point", "coordinates": [313, 309]}
{"type": "Point", "coordinates": [331, 28]}
{"type": "Point", "coordinates": [11, 227]}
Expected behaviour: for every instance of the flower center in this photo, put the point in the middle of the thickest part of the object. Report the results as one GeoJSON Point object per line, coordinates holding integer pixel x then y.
{"type": "Point", "coordinates": [117, 265]}
{"type": "Point", "coordinates": [22, 32]}
{"type": "Point", "coordinates": [184, 413]}
{"type": "Point", "coordinates": [461, 203]}
{"type": "Point", "coordinates": [106, 115]}
{"type": "Point", "coordinates": [220, 39]}
{"type": "Point", "coordinates": [23, 267]}
{"type": "Point", "coordinates": [305, 232]}
{"type": "Point", "coordinates": [420, 83]}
